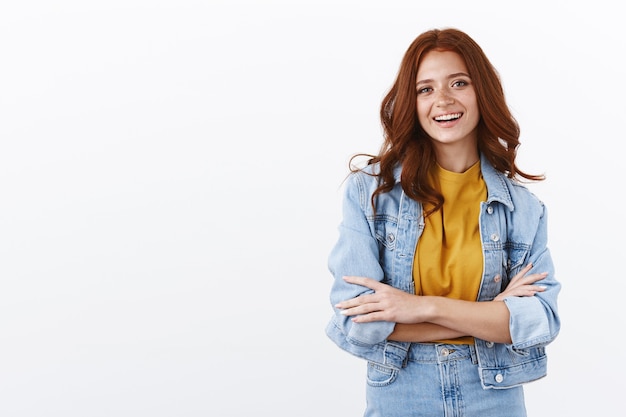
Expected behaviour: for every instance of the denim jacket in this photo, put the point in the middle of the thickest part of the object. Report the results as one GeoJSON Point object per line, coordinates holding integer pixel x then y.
{"type": "Point", "coordinates": [513, 229]}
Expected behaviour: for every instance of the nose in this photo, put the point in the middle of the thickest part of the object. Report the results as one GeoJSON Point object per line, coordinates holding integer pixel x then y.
{"type": "Point", "coordinates": [444, 98]}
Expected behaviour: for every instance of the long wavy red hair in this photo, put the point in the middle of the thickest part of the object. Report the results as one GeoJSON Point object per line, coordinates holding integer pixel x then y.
{"type": "Point", "coordinates": [406, 143]}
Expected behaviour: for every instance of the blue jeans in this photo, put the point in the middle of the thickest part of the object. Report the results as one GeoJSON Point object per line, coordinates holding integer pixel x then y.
{"type": "Point", "coordinates": [439, 380]}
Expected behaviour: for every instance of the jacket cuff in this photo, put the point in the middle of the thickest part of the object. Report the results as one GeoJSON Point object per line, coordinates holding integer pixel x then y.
{"type": "Point", "coordinates": [370, 333]}
{"type": "Point", "coordinates": [528, 324]}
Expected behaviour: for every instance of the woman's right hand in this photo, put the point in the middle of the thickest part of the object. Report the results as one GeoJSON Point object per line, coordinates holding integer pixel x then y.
{"type": "Point", "coordinates": [522, 285]}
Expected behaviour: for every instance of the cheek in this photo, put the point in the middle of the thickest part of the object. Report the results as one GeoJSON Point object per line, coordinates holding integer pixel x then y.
{"type": "Point", "coordinates": [469, 100]}
{"type": "Point", "coordinates": [473, 109]}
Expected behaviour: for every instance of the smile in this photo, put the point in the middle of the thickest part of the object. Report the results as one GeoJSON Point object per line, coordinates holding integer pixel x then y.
{"type": "Point", "coordinates": [448, 117]}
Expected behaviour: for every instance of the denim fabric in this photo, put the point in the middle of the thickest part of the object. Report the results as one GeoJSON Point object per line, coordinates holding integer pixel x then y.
{"type": "Point", "coordinates": [438, 380]}
{"type": "Point", "coordinates": [513, 227]}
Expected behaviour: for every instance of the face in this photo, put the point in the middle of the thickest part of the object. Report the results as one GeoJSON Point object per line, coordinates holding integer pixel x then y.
{"type": "Point", "coordinates": [446, 101]}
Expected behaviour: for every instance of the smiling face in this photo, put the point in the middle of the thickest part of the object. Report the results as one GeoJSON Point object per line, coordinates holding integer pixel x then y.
{"type": "Point", "coordinates": [447, 108]}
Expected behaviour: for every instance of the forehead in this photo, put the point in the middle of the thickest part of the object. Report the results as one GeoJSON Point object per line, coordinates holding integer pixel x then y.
{"type": "Point", "coordinates": [440, 63]}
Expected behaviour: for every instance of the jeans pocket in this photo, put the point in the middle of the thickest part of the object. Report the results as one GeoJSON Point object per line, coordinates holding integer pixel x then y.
{"type": "Point", "coordinates": [380, 375]}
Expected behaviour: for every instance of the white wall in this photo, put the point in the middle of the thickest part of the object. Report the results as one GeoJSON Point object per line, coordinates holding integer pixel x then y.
{"type": "Point", "coordinates": [170, 178]}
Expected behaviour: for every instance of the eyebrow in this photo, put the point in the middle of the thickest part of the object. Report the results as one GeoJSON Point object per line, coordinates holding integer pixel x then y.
{"type": "Point", "coordinates": [456, 74]}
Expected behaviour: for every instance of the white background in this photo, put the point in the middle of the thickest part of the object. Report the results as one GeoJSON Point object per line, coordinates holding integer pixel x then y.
{"type": "Point", "coordinates": [170, 181]}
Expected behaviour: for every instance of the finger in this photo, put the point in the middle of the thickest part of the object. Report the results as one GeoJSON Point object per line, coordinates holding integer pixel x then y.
{"type": "Point", "coordinates": [538, 288]}
{"type": "Point", "coordinates": [360, 310]}
{"type": "Point", "coordinates": [521, 291]}
{"type": "Point", "coordinates": [532, 278]}
{"type": "Point", "coordinates": [366, 318]}
{"type": "Point", "coordinates": [354, 302]}
{"type": "Point", "coordinates": [528, 289]}
{"type": "Point", "coordinates": [363, 281]}
{"type": "Point", "coordinates": [351, 311]}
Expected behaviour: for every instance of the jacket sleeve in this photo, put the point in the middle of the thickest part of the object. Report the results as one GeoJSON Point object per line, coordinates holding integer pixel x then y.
{"type": "Point", "coordinates": [356, 253]}
{"type": "Point", "coordinates": [534, 321]}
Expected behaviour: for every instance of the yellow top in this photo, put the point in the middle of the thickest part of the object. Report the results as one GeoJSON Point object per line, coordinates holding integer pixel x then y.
{"type": "Point", "coordinates": [448, 259]}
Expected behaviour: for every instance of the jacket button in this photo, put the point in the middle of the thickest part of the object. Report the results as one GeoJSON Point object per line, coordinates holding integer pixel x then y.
{"type": "Point", "coordinates": [497, 278]}
{"type": "Point", "coordinates": [499, 378]}
{"type": "Point", "coordinates": [489, 344]}
{"type": "Point", "coordinates": [489, 210]}
{"type": "Point", "coordinates": [391, 238]}
{"type": "Point", "coordinates": [495, 237]}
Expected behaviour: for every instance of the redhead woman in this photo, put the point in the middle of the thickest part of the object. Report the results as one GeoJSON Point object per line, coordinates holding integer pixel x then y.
{"type": "Point", "coordinates": [443, 281]}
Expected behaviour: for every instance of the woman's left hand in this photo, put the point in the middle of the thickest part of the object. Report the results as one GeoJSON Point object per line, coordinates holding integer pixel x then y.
{"type": "Point", "coordinates": [385, 304]}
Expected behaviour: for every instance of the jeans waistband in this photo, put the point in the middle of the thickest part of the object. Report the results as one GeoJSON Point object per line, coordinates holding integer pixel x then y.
{"type": "Point", "coordinates": [441, 352]}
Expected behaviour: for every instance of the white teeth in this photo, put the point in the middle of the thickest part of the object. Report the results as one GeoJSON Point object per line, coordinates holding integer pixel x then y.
{"type": "Point", "coordinates": [448, 117]}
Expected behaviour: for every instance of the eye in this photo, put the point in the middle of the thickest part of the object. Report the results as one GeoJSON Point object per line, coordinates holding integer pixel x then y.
{"type": "Point", "coordinates": [424, 90]}
{"type": "Point", "coordinates": [460, 83]}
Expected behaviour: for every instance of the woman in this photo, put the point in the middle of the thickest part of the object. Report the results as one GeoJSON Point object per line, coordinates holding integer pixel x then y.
{"type": "Point", "coordinates": [443, 280]}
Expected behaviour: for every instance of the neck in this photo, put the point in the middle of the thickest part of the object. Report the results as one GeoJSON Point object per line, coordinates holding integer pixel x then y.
{"type": "Point", "coordinates": [457, 159]}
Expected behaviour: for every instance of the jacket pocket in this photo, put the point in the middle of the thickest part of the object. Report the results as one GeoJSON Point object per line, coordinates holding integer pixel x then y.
{"type": "Point", "coordinates": [386, 232]}
{"type": "Point", "coordinates": [515, 258]}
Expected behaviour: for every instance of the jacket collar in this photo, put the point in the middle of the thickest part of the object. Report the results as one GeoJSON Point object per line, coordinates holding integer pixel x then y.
{"type": "Point", "coordinates": [496, 182]}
